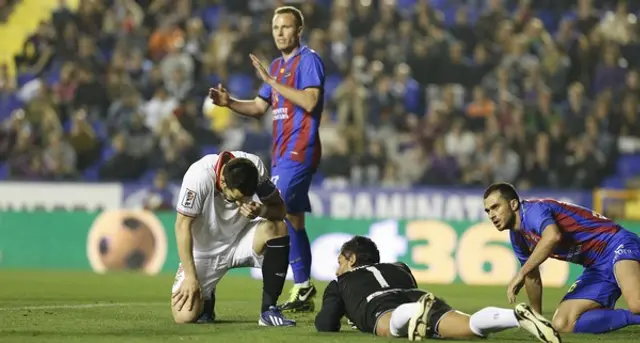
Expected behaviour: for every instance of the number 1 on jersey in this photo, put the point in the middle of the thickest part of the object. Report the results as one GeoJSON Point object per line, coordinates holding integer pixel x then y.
{"type": "Point", "coordinates": [376, 273]}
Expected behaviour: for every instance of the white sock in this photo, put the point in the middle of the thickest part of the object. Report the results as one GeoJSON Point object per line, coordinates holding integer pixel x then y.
{"type": "Point", "coordinates": [304, 284]}
{"type": "Point", "coordinates": [492, 319]}
{"type": "Point", "coordinates": [399, 323]}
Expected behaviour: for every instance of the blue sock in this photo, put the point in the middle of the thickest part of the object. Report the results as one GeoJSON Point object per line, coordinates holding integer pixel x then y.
{"type": "Point", "coordinates": [605, 320]}
{"type": "Point", "coordinates": [300, 254]}
{"type": "Point", "coordinates": [307, 252]}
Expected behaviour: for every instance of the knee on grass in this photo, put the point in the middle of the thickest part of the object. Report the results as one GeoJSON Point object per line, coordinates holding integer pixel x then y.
{"type": "Point", "coordinates": [186, 316]}
{"type": "Point", "coordinates": [563, 323]}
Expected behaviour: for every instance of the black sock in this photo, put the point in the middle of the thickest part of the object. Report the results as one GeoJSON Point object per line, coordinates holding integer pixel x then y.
{"type": "Point", "coordinates": [274, 270]}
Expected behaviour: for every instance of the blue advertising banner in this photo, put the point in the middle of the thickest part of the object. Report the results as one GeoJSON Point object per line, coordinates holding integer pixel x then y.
{"type": "Point", "coordinates": [358, 203]}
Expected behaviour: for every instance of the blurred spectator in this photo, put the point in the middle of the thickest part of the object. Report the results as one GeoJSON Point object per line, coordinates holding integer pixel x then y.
{"type": "Point", "coordinates": [257, 140]}
{"type": "Point", "coordinates": [443, 167]}
{"type": "Point", "coordinates": [368, 170]}
{"type": "Point", "coordinates": [336, 164]}
{"type": "Point", "coordinates": [38, 51]}
{"type": "Point", "coordinates": [179, 156]}
{"type": "Point", "coordinates": [83, 140]}
{"type": "Point", "coordinates": [91, 95]}
{"type": "Point", "coordinates": [122, 110]}
{"type": "Point", "coordinates": [618, 25]}
{"type": "Point", "coordinates": [159, 197]}
{"type": "Point", "coordinates": [59, 158]}
{"type": "Point", "coordinates": [541, 93]}
{"type": "Point", "coordinates": [6, 7]}
{"type": "Point", "coordinates": [121, 165]}
{"type": "Point", "coordinates": [479, 109]}
{"type": "Point", "coordinates": [611, 71]}
{"type": "Point", "coordinates": [350, 98]}
{"type": "Point", "coordinates": [159, 108]}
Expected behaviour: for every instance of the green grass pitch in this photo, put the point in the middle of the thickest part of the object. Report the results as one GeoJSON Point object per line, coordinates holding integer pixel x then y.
{"type": "Point", "coordinates": [83, 307]}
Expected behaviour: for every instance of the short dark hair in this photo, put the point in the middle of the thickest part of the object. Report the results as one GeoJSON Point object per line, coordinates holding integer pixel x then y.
{"type": "Point", "coordinates": [365, 250]}
{"type": "Point", "coordinates": [241, 174]}
{"type": "Point", "coordinates": [293, 11]}
{"type": "Point", "coordinates": [506, 190]}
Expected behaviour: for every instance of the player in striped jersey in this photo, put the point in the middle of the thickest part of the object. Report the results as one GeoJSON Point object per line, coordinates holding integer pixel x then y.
{"type": "Point", "coordinates": [294, 88]}
{"type": "Point", "coordinates": [610, 255]}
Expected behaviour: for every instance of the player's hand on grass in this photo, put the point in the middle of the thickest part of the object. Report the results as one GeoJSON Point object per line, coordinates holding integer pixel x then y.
{"type": "Point", "coordinates": [262, 71]}
{"type": "Point", "coordinates": [252, 209]}
{"type": "Point", "coordinates": [188, 293]}
{"type": "Point", "coordinates": [219, 96]}
{"type": "Point", "coordinates": [514, 287]}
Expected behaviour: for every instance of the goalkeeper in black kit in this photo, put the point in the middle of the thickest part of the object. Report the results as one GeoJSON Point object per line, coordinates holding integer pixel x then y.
{"type": "Point", "coordinates": [384, 299]}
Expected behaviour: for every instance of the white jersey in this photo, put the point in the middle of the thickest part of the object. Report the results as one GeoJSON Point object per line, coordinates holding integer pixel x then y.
{"type": "Point", "coordinates": [218, 222]}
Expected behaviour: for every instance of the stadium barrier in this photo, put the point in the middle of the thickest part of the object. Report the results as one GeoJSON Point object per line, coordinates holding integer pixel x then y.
{"type": "Point", "coordinates": [351, 203]}
{"type": "Point", "coordinates": [439, 251]}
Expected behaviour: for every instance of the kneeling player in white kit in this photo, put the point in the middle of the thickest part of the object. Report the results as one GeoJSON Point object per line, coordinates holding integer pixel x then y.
{"type": "Point", "coordinates": [220, 226]}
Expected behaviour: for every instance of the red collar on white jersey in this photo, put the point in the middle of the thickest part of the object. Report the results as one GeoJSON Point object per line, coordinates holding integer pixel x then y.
{"type": "Point", "coordinates": [223, 158]}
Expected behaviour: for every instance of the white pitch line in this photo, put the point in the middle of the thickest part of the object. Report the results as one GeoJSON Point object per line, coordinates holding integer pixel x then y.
{"type": "Point", "coordinates": [81, 306]}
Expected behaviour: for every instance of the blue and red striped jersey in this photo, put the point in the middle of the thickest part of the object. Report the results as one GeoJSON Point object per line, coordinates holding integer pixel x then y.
{"type": "Point", "coordinates": [586, 234]}
{"type": "Point", "coordinates": [295, 131]}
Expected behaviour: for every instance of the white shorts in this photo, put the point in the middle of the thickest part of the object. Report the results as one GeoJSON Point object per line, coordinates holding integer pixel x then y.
{"type": "Point", "coordinates": [211, 269]}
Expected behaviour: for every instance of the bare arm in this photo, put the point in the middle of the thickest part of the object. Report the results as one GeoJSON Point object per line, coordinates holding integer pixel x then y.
{"type": "Point", "coordinates": [533, 285]}
{"type": "Point", "coordinates": [530, 271]}
{"type": "Point", "coordinates": [275, 208]}
{"type": "Point", "coordinates": [184, 242]}
{"type": "Point", "coordinates": [549, 239]}
{"type": "Point", "coordinates": [305, 98]}
{"type": "Point", "coordinates": [249, 108]}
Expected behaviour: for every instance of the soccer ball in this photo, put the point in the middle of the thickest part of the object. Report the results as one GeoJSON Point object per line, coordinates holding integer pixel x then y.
{"type": "Point", "coordinates": [128, 245]}
{"type": "Point", "coordinates": [127, 240]}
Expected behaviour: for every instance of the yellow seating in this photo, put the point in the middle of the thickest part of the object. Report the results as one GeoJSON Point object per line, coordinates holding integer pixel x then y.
{"type": "Point", "coordinates": [21, 23]}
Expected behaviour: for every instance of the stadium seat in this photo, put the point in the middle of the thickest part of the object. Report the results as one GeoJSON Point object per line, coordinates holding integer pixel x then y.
{"type": "Point", "coordinates": [211, 16]}
{"type": "Point", "coordinates": [23, 78]}
{"type": "Point", "coordinates": [615, 182]}
{"type": "Point", "coordinates": [241, 85]}
{"type": "Point", "coordinates": [443, 5]}
{"type": "Point", "coordinates": [325, 3]}
{"type": "Point", "coordinates": [92, 173]}
{"type": "Point", "coordinates": [406, 3]}
{"type": "Point", "coordinates": [148, 176]}
{"type": "Point", "coordinates": [101, 129]}
{"type": "Point", "coordinates": [53, 76]}
{"type": "Point", "coordinates": [450, 16]}
{"type": "Point", "coordinates": [629, 165]}
{"type": "Point", "coordinates": [331, 82]}
{"type": "Point", "coordinates": [4, 171]}
{"type": "Point", "coordinates": [214, 79]}
{"type": "Point", "coordinates": [209, 149]}
{"type": "Point", "coordinates": [9, 103]}
{"type": "Point", "coordinates": [548, 18]}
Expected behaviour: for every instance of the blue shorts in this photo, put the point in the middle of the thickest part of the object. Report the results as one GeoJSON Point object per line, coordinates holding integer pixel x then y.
{"type": "Point", "coordinates": [598, 282]}
{"type": "Point", "coordinates": [293, 180]}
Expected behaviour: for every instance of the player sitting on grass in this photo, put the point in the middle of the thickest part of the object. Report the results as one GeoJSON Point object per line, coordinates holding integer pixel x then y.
{"type": "Point", "coordinates": [610, 255]}
{"type": "Point", "coordinates": [220, 226]}
{"type": "Point", "coordinates": [383, 299]}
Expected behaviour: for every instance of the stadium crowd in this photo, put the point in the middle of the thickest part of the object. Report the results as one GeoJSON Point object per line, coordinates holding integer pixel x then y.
{"type": "Point", "coordinates": [419, 92]}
